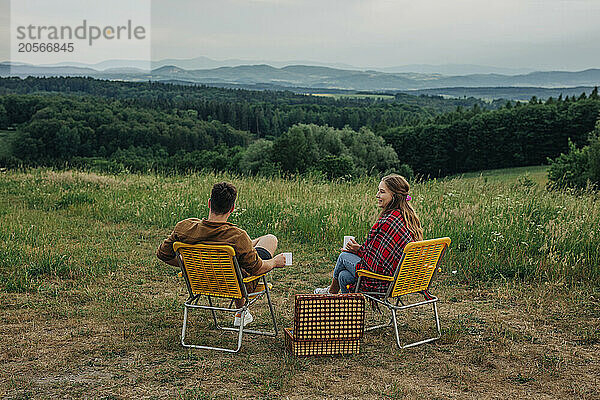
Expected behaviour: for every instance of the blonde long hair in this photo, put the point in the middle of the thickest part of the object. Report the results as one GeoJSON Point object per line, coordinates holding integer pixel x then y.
{"type": "Point", "coordinates": [399, 188]}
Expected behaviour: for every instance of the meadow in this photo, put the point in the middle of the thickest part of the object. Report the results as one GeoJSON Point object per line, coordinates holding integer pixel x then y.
{"type": "Point", "coordinates": [355, 96]}
{"type": "Point", "coordinates": [89, 311]}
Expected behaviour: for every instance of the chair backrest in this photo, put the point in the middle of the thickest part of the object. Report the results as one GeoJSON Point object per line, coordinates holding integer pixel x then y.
{"type": "Point", "coordinates": [329, 317]}
{"type": "Point", "coordinates": [210, 270]}
{"type": "Point", "coordinates": [419, 262]}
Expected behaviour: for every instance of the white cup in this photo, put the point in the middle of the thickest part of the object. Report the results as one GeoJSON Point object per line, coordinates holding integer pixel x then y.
{"type": "Point", "coordinates": [347, 239]}
{"type": "Point", "coordinates": [288, 258]}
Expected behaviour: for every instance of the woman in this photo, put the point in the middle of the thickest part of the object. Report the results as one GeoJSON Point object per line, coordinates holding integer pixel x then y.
{"type": "Point", "coordinates": [398, 224]}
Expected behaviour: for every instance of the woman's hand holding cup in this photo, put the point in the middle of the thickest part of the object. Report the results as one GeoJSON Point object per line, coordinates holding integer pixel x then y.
{"type": "Point", "coordinates": [352, 246]}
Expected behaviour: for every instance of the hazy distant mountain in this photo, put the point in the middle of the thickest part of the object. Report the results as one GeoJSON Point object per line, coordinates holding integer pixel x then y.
{"type": "Point", "coordinates": [589, 77]}
{"type": "Point", "coordinates": [316, 77]}
{"type": "Point", "coordinates": [23, 70]}
{"type": "Point", "coordinates": [208, 63]}
{"type": "Point", "coordinates": [292, 76]}
{"type": "Point", "coordinates": [104, 65]}
{"type": "Point", "coordinates": [456, 69]}
{"type": "Point", "coordinates": [325, 77]}
{"type": "Point", "coordinates": [202, 62]}
{"type": "Point", "coordinates": [193, 63]}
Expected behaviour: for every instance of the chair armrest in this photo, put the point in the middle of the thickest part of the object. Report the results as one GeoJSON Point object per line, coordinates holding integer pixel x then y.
{"type": "Point", "coordinates": [253, 278]}
{"type": "Point", "coordinates": [369, 274]}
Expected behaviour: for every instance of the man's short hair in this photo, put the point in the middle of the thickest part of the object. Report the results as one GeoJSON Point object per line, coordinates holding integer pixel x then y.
{"type": "Point", "coordinates": [222, 197]}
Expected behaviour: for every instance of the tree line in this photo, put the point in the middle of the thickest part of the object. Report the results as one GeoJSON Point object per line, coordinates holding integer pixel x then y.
{"type": "Point", "coordinates": [516, 135]}
{"type": "Point", "coordinates": [142, 126]}
{"type": "Point", "coordinates": [106, 134]}
{"type": "Point", "coordinates": [267, 114]}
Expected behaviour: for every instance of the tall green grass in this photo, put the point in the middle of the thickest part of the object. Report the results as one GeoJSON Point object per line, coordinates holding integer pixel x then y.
{"type": "Point", "coordinates": [64, 225]}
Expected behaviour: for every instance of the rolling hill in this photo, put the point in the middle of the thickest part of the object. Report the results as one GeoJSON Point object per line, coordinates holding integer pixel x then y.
{"type": "Point", "coordinates": [293, 76]}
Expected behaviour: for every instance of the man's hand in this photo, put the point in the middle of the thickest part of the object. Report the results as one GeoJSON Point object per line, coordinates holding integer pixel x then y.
{"type": "Point", "coordinates": [276, 262]}
{"type": "Point", "coordinates": [279, 261]}
{"type": "Point", "coordinates": [352, 246]}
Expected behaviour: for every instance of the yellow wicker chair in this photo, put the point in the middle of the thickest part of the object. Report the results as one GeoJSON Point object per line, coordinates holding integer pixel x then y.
{"type": "Point", "coordinates": [419, 262]}
{"type": "Point", "coordinates": [213, 271]}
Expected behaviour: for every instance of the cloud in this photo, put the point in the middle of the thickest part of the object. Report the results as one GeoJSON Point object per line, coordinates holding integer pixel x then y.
{"type": "Point", "coordinates": [381, 32]}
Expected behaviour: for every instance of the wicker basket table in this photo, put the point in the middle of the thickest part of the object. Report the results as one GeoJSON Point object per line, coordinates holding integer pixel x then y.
{"type": "Point", "coordinates": [326, 325]}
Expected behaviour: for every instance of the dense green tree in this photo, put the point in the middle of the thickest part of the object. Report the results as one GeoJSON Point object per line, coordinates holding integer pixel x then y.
{"type": "Point", "coordinates": [370, 153]}
{"type": "Point", "coordinates": [257, 158]}
{"type": "Point", "coordinates": [330, 150]}
{"type": "Point", "coordinates": [336, 166]}
{"type": "Point", "coordinates": [264, 113]}
{"type": "Point", "coordinates": [3, 117]}
{"type": "Point", "coordinates": [296, 150]}
{"type": "Point", "coordinates": [524, 135]}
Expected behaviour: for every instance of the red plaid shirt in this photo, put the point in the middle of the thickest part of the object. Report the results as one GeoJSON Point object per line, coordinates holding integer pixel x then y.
{"type": "Point", "coordinates": [382, 251]}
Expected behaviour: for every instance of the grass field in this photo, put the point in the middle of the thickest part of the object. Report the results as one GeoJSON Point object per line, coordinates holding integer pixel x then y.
{"type": "Point", "coordinates": [88, 311]}
{"type": "Point", "coordinates": [537, 174]}
{"type": "Point", "coordinates": [355, 96]}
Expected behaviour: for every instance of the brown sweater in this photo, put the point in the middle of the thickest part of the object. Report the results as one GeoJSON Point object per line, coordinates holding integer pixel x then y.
{"type": "Point", "coordinates": [194, 230]}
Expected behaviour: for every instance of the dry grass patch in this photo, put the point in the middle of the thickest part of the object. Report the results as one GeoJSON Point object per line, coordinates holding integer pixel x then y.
{"type": "Point", "coordinates": [120, 338]}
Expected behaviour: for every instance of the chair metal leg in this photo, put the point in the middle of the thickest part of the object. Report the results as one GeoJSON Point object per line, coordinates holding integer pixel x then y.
{"type": "Point", "coordinates": [437, 320]}
{"type": "Point", "coordinates": [393, 321]}
{"type": "Point", "coordinates": [257, 332]}
{"type": "Point", "coordinates": [241, 329]}
{"type": "Point", "coordinates": [185, 312]}
{"type": "Point", "coordinates": [195, 346]}
{"type": "Point", "coordinates": [388, 324]}
{"type": "Point", "coordinates": [270, 306]}
{"type": "Point", "coordinates": [214, 314]}
{"type": "Point", "coordinates": [193, 303]}
{"type": "Point", "coordinates": [396, 327]}
{"type": "Point", "coordinates": [370, 328]}
{"type": "Point", "coordinates": [437, 325]}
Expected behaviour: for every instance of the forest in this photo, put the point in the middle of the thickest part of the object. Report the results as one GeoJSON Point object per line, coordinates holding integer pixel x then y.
{"type": "Point", "coordinates": [127, 126]}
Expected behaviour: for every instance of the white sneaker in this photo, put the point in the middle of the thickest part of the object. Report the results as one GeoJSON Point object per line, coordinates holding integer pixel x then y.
{"type": "Point", "coordinates": [248, 318]}
{"type": "Point", "coordinates": [322, 290]}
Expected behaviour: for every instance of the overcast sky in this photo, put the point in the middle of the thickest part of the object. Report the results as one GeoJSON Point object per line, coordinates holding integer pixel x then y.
{"type": "Point", "coordinates": [541, 34]}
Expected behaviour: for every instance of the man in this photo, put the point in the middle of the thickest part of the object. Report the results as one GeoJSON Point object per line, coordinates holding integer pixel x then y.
{"type": "Point", "coordinates": [255, 257]}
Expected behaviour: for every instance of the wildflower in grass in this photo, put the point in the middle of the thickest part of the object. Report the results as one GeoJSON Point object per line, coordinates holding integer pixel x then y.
{"type": "Point", "coordinates": [497, 236]}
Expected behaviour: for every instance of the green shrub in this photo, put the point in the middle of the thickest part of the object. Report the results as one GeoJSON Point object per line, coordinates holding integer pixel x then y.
{"type": "Point", "coordinates": [569, 170]}
{"type": "Point", "coordinates": [579, 168]}
{"type": "Point", "coordinates": [594, 155]}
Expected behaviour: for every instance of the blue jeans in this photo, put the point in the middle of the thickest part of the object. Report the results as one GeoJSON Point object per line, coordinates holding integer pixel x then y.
{"type": "Point", "coordinates": [345, 270]}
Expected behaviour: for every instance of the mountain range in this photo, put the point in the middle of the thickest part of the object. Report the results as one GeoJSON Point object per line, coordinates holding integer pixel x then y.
{"type": "Point", "coordinates": [202, 62]}
{"type": "Point", "coordinates": [310, 76]}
